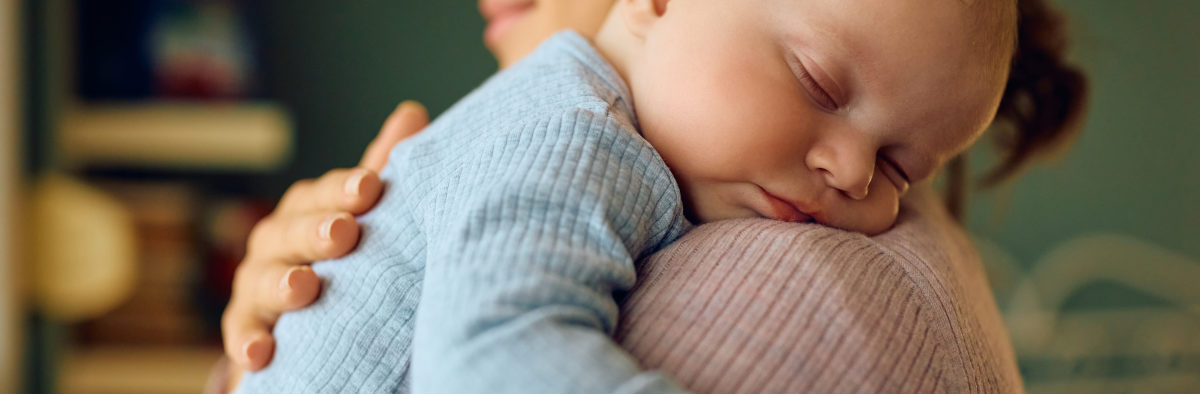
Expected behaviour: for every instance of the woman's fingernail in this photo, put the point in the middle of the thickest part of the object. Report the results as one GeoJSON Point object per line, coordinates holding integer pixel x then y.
{"type": "Point", "coordinates": [326, 230]}
{"type": "Point", "coordinates": [252, 348]}
{"type": "Point", "coordinates": [285, 284]}
{"type": "Point", "coordinates": [354, 183]}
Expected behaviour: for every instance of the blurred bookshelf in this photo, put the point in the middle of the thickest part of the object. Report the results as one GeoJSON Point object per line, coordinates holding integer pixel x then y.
{"type": "Point", "coordinates": [154, 130]}
{"type": "Point", "coordinates": [145, 370]}
{"type": "Point", "coordinates": [249, 137]}
{"type": "Point", "coordinates": [11, 178]}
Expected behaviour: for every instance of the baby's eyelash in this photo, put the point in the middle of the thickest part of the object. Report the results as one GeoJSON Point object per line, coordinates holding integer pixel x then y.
{"type": "Point", "coordinates": [815, 90]}
{"type": "Point", "coordinates": [897, 167]}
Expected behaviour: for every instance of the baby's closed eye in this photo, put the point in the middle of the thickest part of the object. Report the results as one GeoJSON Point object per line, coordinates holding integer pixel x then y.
{"type": "Point", "coordinates": [893, 174]}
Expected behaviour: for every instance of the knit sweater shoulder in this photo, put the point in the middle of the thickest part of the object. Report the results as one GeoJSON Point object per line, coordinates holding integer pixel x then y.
{"type": "Point", "coordinates": [491, 261]}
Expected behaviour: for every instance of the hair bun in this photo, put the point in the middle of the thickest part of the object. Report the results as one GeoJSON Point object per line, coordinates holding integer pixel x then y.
{"type": "Point", "coordinates": [1045, 98]}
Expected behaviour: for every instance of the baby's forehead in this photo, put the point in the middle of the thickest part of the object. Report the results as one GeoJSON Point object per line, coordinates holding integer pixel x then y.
{"type": "Point", "coordinates": [939, 72]}
{"type": "Point", "coordinates": [994, 24]}
{"type": "Point", "coordinates": [922, 34]}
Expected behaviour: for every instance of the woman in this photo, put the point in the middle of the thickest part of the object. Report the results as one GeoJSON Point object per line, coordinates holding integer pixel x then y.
{"type": "Point", "coordinates": [747, 305]}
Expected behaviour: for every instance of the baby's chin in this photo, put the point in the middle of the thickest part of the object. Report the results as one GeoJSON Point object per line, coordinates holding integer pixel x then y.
{"type": "Point", "coordinates": [862, 221]}
{"type": "Point", "coordinates": [872, 227]}
{"type": "Point", "coordinates": [868, 219]}
{"type": "Point", "coordinates": [871, 216]}
{"type": "Point", "coordinates": [862, 225]}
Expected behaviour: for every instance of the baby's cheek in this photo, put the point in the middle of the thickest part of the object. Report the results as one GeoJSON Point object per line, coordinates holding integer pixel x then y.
{"type": "Point", "coordinates": [884, 204]}
{"type": "Point", "coordinates": [873, 215]}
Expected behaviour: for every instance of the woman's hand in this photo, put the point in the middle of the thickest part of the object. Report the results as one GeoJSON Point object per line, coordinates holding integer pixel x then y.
{"type": "Point", "coordinates": [313, 221]}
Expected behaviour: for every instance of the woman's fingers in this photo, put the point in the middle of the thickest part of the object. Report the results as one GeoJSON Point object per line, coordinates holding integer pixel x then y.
{"type": "Point", "coordinates": [247, 338]}
{"type": "Point", "coordinates": [233, 377]}
{"type": "Point", "coordinates": [312, 222]}
{"type": "Point", "coordinates": [409, 118]}
{"type": "Point", "coordinates": [280, 288]}
{"type": "Point", "coordinates": [355, 190]}
{"type": "Point", "coordinates": [352, 190]}
{"type": "Point", "coordinates": [302, 238]}
{"type": "Point", "coordinates": [274, 276]}
{"type": "Point", "coordinates": [263, 292]}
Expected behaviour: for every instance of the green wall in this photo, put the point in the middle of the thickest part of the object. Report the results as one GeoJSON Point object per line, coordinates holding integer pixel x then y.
{"type": "Point", "coordinates": [1135, 169]}
{"type": "Point", "coordinates": [341, 66]}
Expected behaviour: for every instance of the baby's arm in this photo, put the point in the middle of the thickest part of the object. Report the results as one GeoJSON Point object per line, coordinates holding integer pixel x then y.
{"type": "Point", "coordinates": [518, 293]}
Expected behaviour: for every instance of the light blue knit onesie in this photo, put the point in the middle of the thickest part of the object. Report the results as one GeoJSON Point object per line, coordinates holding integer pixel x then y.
{"type": "Point", "coordinates": [491, 262]}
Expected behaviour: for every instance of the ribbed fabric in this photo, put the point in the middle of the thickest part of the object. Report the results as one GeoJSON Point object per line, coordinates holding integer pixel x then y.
{"type": "Point", "coordinates": [491, 260]}
{"type": "Point", "coordinates": [762, 306]}
{"type": "Point", "coordinates": [759, 306]}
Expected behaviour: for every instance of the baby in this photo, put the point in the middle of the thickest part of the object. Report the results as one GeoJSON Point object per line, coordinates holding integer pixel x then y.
{"type": "Point", "coordinates": [508, 224]}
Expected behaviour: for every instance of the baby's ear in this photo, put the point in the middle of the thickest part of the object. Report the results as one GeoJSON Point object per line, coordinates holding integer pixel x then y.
{"type": "Point", "coordinates": [640, 15]}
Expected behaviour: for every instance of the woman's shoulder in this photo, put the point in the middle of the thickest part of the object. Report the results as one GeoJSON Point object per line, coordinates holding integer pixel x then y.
{"type": "Point", "coordinates": [822, 307]}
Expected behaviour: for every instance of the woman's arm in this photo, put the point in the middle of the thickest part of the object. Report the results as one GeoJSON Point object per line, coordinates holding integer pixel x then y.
{"type": "Point", "coordinates": [312, 222]}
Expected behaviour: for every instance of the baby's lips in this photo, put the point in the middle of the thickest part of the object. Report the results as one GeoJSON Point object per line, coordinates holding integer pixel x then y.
{"type": "Point", "coordinates": [785, 211]}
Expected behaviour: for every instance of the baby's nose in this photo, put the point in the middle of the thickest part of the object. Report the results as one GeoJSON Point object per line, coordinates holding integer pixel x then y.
{"type": "Point", "coordinates": [848, 172]}
{"type": "Point", "coordinates": [853, 186]}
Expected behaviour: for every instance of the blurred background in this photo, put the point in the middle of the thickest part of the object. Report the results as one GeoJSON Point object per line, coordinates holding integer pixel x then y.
{"type": "Point", "coordinates": [140, 140]}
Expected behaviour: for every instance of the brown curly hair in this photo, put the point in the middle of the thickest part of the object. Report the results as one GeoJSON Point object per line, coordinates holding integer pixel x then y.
{"type": "Point", "coordinates": [1042, 108]}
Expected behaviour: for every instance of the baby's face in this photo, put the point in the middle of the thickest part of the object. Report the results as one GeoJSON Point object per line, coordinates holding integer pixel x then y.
{"type": "Point", "coordinates": [813, 110]}
{"type": "Point", "coordinates": [516, 27]}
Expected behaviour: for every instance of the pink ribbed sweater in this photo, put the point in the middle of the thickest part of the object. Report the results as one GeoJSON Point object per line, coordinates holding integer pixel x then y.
{"type": "Point", "coordinates": [754, 306]}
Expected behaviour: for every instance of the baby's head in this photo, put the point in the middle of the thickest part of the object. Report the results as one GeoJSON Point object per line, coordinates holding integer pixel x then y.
{"type": "Point", "coordinates": [822, 110]}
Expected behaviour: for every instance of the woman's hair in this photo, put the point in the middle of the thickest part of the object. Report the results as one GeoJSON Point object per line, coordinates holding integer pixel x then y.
{"type": "Point", "coordinates": [1042, 109]}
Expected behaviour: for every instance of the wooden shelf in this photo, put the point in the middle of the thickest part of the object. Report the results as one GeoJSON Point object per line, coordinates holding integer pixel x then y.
{"type": "Point", "coordinates": [137, 369]}
{"type": "Point", "coordinates": [176, 135]}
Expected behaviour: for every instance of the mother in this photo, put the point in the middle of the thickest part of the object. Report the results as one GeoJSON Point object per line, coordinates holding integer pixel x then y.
{"type": "Point", "coordinates": [735, 306]}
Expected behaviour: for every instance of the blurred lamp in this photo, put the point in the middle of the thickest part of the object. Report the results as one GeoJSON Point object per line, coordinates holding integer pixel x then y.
{"type": "Point", "coordinates": [84, 250]}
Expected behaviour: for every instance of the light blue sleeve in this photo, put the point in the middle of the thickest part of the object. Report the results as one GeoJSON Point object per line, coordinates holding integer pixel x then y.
{"type": "Point", "coordinates": [518, 293]}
